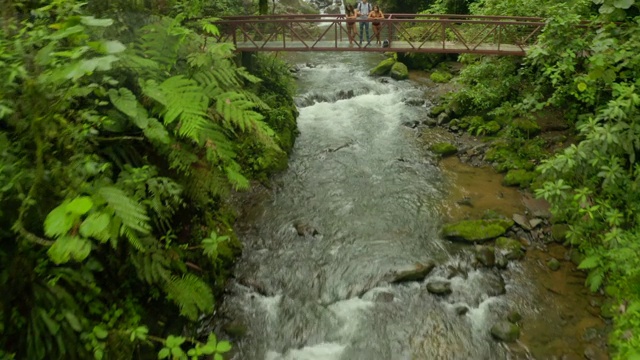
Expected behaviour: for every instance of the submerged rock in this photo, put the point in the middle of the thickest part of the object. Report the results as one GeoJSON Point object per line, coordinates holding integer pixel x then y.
{"type": "Point", "coordinates": [476, 230]}
{"type": "Point", "coordinates": [416, 272]}
{"type": "Point", "coordinates": [439, 287]}
{"type": "Point", "coordinates": [505, 331]}
{"type": "Point", "coordinates": [304, 229]}
{"type": "Point", "coordinates": [553, 264]}
{"type": "Point", "coordinates": [486, 255]}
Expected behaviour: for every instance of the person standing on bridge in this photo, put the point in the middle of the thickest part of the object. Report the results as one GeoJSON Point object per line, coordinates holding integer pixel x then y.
{"type": "Point", "coordinates": [375, 16]}
{"type": "Point", "coordinates": [352, 30]}
{"type": "Point", "coordinates": [363, 10]}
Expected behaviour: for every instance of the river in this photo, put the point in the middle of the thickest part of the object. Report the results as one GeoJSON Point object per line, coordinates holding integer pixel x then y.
{"type": "Point", "coordinates": [361, 179]}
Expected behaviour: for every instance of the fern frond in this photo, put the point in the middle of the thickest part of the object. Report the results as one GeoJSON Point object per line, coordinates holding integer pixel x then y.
{"type": "Point", "coordinates": [132, 214]}
{"type": "Point", "coordinates": [152, 266]}
{"type": "Point", "coordinates": [192, 295]}
{"type": "Point", "coordinates": [132, 237]}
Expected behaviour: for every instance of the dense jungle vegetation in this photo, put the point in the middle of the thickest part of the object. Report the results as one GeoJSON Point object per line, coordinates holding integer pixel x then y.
{"type": "Point", "coordinates": [122, 133]}
{"type": "Point", "coordinates": [584, 72]}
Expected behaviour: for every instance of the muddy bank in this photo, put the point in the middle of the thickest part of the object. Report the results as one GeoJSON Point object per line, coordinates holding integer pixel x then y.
{"type": "Point", "coordinates": [566, 323]}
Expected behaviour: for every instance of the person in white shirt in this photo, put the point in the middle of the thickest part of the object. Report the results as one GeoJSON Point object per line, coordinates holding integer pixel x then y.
{"type": "Point", "coordinates": [363, 9]}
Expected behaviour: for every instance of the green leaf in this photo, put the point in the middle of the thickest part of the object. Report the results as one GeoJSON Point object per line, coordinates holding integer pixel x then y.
{"type": "Point", "coordinates": [125, 100]}
{"type": "Point", "coordinates": [174, 341]}
{"type": "Point", "coordinates": [61, 34]}
{"type": "Point", "coordinates": [80, 205]}
{"type": "Point", "coordinates": [73, 321]}
{"type": "Point", "coordinates": [58, 222]}
{"type": "Point", "coordinates": [96, 225]}
{"type": "Point", "coordinates": [582, 86]}
{"type": "Point", "coordinates": [113, 47]}
{"type": "Point", "coordinates": [606, 9]}
{"type": "Point", "coordinates": [164, 353]}
{"type": "Point", "coordinates": [100, 332]}
{"type": "Point", "coordinates": [623, 4]}
{"type": "Point", "coordinates": [590, 262]}
{"type": "Point", "coordinates": [67, 248]}
{"type": "Point", "coordinates": [98, 354]}
{"type": "Point", "coordinates": [223, 346]}
{"type": "Point", "coordinates": [218, 357]}
{"type": "Point", "coordinates": [92, 21]}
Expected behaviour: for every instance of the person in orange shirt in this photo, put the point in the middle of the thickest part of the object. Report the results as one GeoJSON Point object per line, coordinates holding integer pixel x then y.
{"type": "Point", "coordinates": [375, 16]}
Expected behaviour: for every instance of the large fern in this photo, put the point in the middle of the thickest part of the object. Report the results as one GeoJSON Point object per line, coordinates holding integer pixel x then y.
{"type": "Point", "coordinates": [191, 294]}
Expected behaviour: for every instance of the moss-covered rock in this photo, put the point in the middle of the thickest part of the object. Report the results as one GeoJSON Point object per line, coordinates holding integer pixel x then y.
{"type": "Point", "coordinates": [383, 67]}
{"type": "Point", "coordinates": [518, 177]}
{"type": "Point", "coordinates": [440, 76]}
{"type": "Point", "coordinates": [559, 232]}
{"type": "Point", "coordinates": [553, 264]}
{"type": "Point", "coordinates": [505, 331]}
{"type": "Point", "coordinates": [509, 248]}
{"type": "Point", "coordinates": [399, 71]}
{"type": "Point", "coordinates": [436, 110]}
{"type": "Point", "coordinates": [526, 127]}
{"type": "Point", "coordinates": [476, 230]}
{"type": "Point", "coordinates": [443, 148]}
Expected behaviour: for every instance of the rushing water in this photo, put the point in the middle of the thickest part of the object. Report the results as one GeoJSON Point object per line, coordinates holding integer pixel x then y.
{"type": "Point", "coordinates": [359, 177]}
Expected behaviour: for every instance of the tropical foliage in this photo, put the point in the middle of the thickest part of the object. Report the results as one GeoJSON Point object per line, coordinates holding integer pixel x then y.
{"type": "Point", "coordinates": [116, 157]}
{"type": "Point", "coordinates": [585, 69]}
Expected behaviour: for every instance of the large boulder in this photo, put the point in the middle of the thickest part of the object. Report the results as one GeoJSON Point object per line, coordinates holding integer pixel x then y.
{"type": "Point", "coordinates": [473, 231]}
{"type": "Point", "coordinates": [415, 272]}
{"type": "Point", "coordinates": [399, 71]}
{"type": "Point", "coordinates": [383, 67]}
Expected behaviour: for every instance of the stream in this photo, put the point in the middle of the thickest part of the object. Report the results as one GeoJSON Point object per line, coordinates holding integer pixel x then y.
{"type": "Point", "coordinates": [361, 201]}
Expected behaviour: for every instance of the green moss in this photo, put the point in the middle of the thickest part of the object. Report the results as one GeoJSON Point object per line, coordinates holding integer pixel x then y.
{"type": "Point", "coordinates": [440, 76]}
{"type": "Point", "coordinates": [509, 247]}
{"type": "Point", "coordinates": [443, 149]}
{"type": "Point", "coordinates": [519, 177]}
{"type": "Point", "coordinates": [383, 67]}
{"type": "Point", "coordinates": [476, 230]}
{"type": "Point", "coordinates": [436, 110]}
{"type": "Point", "coordinates": [399, 71]}
{"type": "Point", "coordinates": [526, 127]}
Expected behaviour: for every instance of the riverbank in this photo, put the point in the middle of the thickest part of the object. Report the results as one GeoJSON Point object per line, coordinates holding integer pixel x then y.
{"type": "Point", "coordinates": [567, 322]}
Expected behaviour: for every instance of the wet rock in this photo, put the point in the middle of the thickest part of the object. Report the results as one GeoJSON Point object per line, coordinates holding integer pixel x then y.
{"type": "Point", "coordinates": [472, 231]}
{"type": "Point", "coordinates": [383, 67]}
{"type": "Point", "coordinates": [431, 122]}
{"type": "Point", "coordinates": [443, 149]}
{"type": "Point", "coordinates": [501, 261]}
{"type": "Point", "coordinates": [235, 329]}
{"type": "Point", "coordinates": [415, 102]}
{"type": "Point", "coordinates": [304, 229]}
{"type": "Point", "coordinates": [607, 310]}
{"type": "Point", "coordinates": [461, 310]}
{"type": "Point", "coordinates": [535, 222]}
{"type": "Point", "coordinates": [495, 285]}
{"type": "Point", "coordinates": [443, 119]}
{"type": "Point", "coordinates": [254, 285]}
{"type": "Point", "coordinates": [575, 256]}
{"type": "Point", "coordinates": [590, 334]}
{"type": "Point", "coordinates": [522, 221]}
{"type": "Point", "coordinates": [510, 248]}
{"type": "Point", "coordinates": [384, 297]}
{"type": "Point", "coordinates": [553, 264]}
{"type": "Point", "coordinates": [399, 71]}
{"type": "Point", "coordinates": [559, 232]}
{"type": "Point", "coordinates": [514, 317]}
{"type": "Point", "coordinates": [436, 110]}
{"type": "Point", "coordinates": [486, 255]}
{"type": "Point", "coordinates": [505, 331]}
{"type": "Point", "coordinates": [459, 271]}
{"type": "Point", "coordinates": [342, 95]}
{"type": "Point", "coordinates": [593, 353]}
{"type": "Point", "coordinates": [415, 272]}
{"type": "Point", "coordinates": [465, 201]}
{"type": "Point", "coordinates": [411, 124]}
{"type": "Point", "coordinates": [439, 287]}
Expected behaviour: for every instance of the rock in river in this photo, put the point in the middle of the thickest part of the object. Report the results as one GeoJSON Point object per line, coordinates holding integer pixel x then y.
{"type": "Point", "coordinates": [415, 272]}
{"type": "Point", "coordinates": [439, 287]}
{"type": "Point", "coordinates": [472, 231]}
{"type": "Point", "coordinates": [505, 331]}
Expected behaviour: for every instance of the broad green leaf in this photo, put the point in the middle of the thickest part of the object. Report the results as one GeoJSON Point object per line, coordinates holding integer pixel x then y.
{"type": "Point", "coordinates": [96, 226]}
{"type": "Point", "coordinates": [590, 262]}
{"type": "Point", "coordinates": [92, 21]}
{"type": "Point", "coordinates": [623, 4]}
{"type": "Point", "coordinates": [100, 332]}
{"type": "Point", "coordinates": [98, 354]}
{"type": "Point", "coordinates": [218, 357]}
{"type": "Point", "coordinates": [164, 353]}
{"type": "Point", "coordinates": [73, 321]}
{"type": "Point", "coordinates": [113, 47]}
{"type": "Point", "coordinates": [223, 346]}
{"type": "Point", "coordinates": [582, 86]}
{"type": "Point", "coordinates": [606, 9]}
{"type": "Point", "coordinates": [67, 248]}
{"type": "Point", "coordinates": [174, 341]}
{"type": "Point", "coordinates": [61, 34]}
{"type": "Point", "coordinates": [80, 205]}
{"type": "Point", "coordinates": [58, 222]}
{"type": "Point", "coordinates": [125, 100]}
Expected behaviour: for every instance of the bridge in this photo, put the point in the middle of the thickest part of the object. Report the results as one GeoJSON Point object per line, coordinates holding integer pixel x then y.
{"type": "Point", "coordinates": [446, 33]}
